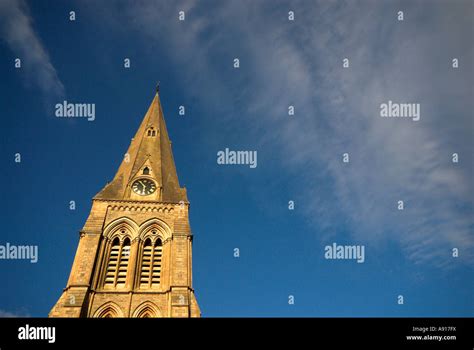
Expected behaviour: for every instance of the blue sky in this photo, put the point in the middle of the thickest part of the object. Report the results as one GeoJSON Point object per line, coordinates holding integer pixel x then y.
{"type": "Point", "coordinates": [282, 63]}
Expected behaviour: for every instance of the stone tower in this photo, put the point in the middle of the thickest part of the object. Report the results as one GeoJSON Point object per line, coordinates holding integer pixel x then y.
{"type": "Point", "coordinates": [134, 254]}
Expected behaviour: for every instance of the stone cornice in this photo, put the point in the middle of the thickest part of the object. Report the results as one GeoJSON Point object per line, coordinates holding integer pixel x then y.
{"type": "Point", "coordinates": [142, 208]}
{"type": "Point", "coordinates": [136, 202]}
{"type": "Point", "coordinates": [145, 206]}
{"type": "Point", "coordinates": [136, 291]}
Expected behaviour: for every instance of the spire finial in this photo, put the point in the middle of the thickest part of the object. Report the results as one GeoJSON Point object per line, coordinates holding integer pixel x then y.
{"type": "Point", "coordinates": [158, 86]}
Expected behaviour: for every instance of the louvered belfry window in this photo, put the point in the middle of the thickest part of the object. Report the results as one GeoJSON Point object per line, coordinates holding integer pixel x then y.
{"type": "Point", "coordinates": [150, 274]}
{"type": "Point", "coordinates": [116, 273]}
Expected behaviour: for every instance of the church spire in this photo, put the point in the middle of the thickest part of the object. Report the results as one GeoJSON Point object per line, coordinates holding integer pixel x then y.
{"type": "Point", "coordinates": [149, 155]}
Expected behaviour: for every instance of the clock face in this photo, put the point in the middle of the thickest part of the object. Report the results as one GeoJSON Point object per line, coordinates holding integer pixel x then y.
{"type": "Point", "coordinates": [143, 187]}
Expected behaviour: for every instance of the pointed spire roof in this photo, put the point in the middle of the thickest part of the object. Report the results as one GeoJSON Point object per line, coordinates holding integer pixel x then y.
{"type": "Point", "coordinates": [151, 147]}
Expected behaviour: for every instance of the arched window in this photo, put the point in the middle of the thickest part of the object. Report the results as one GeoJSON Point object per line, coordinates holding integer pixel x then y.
{"type": "Point", "coordinates": [123, 264]}
{"type": "Point", "coordinates": [108, 310]}
{"type": "Point", "coordinates": [151, 132]}
{"type": "Point", "coordinates": [112, 265]}
{"type": "Point", "coordinates": [147, 310]}
{"type": "Point", "coordinates": [150, 273]}
{"type": "Point", "coordinates": [146, 264]}
{"type": "Point", "coordinates": [146, 171]}
{"type": "Point", "coordinates": [116, 272]}
{"type": "Point", "coordinates": [157, 254]}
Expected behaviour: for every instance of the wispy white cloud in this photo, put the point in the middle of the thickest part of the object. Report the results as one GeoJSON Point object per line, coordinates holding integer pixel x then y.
{"type": "Point", "coordinates": [390, 160]}
{"type": "Point", "coordinates": [8, 314]}
{"type": "Point", "coordinates": [17, 30]}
